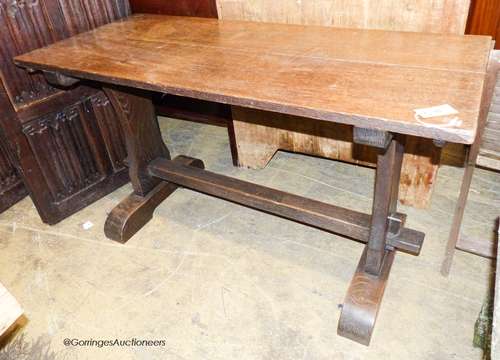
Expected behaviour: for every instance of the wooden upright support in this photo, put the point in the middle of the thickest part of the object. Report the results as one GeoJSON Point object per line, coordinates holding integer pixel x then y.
{"type": "Point", "coordinates": [366, 290]}
{"type": "Point", "coordinates": [470, 162]}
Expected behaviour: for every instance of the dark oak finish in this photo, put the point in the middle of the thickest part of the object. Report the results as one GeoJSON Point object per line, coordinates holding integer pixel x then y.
{"type": "Point", "coordinates": [371, 137]}
{"type": "Point", "coordinates": [135, 211]}
{"type": "Point", "coordinates": [363, 300]}
{"type": "Point", "coordinates": [138, 120]}
{"type": "Point", "coordinates": [199, 69]}
{"type": "Point", "coordinates": [142, 136]}
{"type": "Point", "coordinates": [199, 8]}
{"type": "Point", "coordinates": [68, 157]}
{"type": "Point", "coordinates": [384, 203]}
{"type": "Point", "coordinates": [12, 188]}
{"type": "Point", "coordinates": [185, 108]}
{"type": "Point", "coordinates": [28, 25]}
{"type": "Point", "coordinates": [324, 216]}
{"type": "Point", "coordinates": [69, 147]}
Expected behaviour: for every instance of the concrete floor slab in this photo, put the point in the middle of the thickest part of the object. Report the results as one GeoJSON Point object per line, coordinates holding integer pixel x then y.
{"type": "Point", "coordinates": [220, 281]}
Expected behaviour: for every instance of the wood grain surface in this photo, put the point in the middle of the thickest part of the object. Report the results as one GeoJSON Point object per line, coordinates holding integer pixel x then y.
{"type": "Point", "coordinates": [363, 300]}
{"type": "Point", "coordinates": [438, 16]}
{"type": "Point", "coordinates": [308, 71]}
{"type": "Point", "coordinates": [339, 220]}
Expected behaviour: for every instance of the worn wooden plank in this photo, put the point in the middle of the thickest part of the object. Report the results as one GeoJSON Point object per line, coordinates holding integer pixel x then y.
{"type": "Point", "coordinates": [482, 247]}
{"type": "Point", "coordinates": [487, 160]}
{"type": "Point", "coordinates": [373, 89]}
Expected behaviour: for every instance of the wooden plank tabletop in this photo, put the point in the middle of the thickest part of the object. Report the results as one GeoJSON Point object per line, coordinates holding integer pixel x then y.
{"type": "Point", "coordinates": [368, 78]}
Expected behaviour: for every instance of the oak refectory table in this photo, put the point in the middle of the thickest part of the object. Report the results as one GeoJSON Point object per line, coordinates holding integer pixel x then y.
{"type": "Point", "coordinates": [385, 84]}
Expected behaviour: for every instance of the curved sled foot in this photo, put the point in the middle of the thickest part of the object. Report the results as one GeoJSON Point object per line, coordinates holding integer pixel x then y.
{"type": "Point", "coordinates": [363, 300]}
{"type": "Point", "coordinates": [135, 211]}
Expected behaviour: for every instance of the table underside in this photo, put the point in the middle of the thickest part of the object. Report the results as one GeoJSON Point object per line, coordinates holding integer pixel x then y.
{"type": "Point", "coordinates": [155, 176]}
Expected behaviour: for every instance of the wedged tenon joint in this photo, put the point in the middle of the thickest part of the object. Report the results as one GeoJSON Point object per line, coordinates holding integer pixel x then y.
{"type": "Point", "coordinates": [372, 137]}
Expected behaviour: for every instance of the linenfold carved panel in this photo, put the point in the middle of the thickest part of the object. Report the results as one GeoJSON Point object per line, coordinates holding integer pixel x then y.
{"type": "Point", "coordinates": [8, 174]}
{"type": "Point", "coordinates": [77, 146]}
{"type": "Point", "coordinates": [31, 24]}
{"type": "Point", "coordinates": [110, 130]}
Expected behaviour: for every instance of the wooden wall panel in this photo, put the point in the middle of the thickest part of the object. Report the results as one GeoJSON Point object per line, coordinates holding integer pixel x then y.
{"type": "Point", "coordinates": [440, 16]}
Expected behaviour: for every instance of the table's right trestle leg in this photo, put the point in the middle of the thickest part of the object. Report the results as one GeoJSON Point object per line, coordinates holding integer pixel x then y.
{"type": "Point", "coordinates": [366, 290]}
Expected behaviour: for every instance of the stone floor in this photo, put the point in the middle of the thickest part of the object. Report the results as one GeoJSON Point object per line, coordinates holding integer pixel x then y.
{"type": "Point", "coordinates": [220, 281]}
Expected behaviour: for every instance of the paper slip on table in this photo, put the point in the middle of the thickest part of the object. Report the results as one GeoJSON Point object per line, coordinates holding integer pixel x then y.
{"type": "Point", "coordinates": [373, 80]}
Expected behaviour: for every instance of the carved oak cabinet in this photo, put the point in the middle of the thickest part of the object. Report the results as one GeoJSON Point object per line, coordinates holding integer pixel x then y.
{"type": "Point", "coordinates": [12, 188]}
{"type": "Point", "coordinates": [67, 146]}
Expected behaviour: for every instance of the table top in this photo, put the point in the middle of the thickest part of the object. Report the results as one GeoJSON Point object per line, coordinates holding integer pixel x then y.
{"type": "Point", "coordinates": [368, 78]}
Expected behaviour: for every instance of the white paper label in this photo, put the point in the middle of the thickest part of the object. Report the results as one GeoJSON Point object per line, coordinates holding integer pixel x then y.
{"type": "Point", "coordinates": [87, 225]}
{"type": "Point", "coordinates": [441, 110]}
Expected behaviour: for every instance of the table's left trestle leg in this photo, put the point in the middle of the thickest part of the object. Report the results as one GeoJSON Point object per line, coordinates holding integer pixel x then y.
{"type": "Point", "coordinates": [144, 143]}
